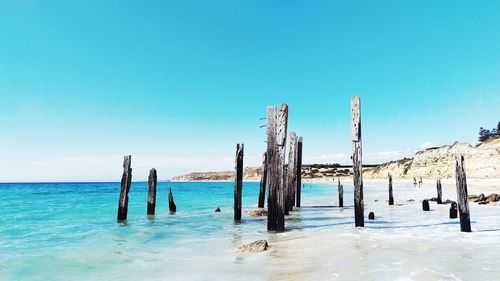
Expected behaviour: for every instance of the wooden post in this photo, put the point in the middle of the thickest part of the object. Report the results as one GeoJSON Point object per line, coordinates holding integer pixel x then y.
{"type": "Point", "coordinates": [125, 187]}
{"type": "Point", "coordinates": [273, 180]}
{"type": "Point", "coordinates": [282, 126]}
{"type": "Point", "coordinates": [463, 203]}
{"type": "Point", "coordinates": [238, 182]}
{"type": "Point", "coordinates": [341, 194]}
{"type": "Point", "coordinates": [292, 174]}
{"type": "Point", "coordinates": [152, 179]}
{"type": "Point", "coordinates": [453, 210]}
{"type": "Point", "coordinates": [371, 216]}
{"type": "Point", "coordinates": [425, 205]}
{"type": "Point", "coordinates": [391, 198]}
{"type": "Point", "coordinates": [357, 165]}
{"type": "Point", "coordinates": [263, 181]}
{"type": "Point", "coordinates": [299, 171]}
{"type": "Point", "coordinates": [171, 204]}
{"type": "Point", "coordinates": [439, 192]}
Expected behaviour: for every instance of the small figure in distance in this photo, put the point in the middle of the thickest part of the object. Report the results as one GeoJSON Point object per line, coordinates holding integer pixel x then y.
{"type": "Point", "coordinates": [420, 182]}
{"type": "Point", "coordinates": [414, 182]}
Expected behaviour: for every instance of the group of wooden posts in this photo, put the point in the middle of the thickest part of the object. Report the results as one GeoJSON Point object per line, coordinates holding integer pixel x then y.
{"type": "Point", "coordinates": [125, 188]}
{"type": "Point", "coordinates": [463, 203]}
{"type": "Point", "coordinates": [284, 180]}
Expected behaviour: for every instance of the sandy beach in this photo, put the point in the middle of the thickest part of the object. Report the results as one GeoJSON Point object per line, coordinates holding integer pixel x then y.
{"type": "Point", "coordinates": [402, 243]}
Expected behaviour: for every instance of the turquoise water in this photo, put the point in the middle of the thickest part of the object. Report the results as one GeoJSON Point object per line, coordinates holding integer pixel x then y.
{"type": "Point", "coordinates": [68, 231]}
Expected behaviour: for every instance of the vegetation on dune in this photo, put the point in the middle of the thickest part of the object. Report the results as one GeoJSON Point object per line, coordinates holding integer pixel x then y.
{"type": "Point", "coordinates": [485, 134]}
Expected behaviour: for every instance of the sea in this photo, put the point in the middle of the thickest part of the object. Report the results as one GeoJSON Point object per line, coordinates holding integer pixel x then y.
{"type": "Point", "coordinates": [69, 231]}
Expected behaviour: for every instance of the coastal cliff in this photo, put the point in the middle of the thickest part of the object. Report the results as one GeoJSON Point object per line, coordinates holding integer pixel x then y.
{"type": "Point", "coordinates": [482, 161]}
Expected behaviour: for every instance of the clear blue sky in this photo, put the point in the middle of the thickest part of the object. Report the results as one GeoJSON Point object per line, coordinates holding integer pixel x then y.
{"type": "Point", "coordinates": [178, 83]}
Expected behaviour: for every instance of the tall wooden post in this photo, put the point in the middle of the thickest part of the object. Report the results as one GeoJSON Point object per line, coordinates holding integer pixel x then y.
{"type": "Point", "coordinates": [282, 127]}
{"type": "Point", "coordinates": [263, 181]}
{"type": "Point", "coordinates": [238, 182]}
{"type": "Point", "coordinates": [273, 180]}
{"type": "Point", "coordinates": [152, 179]}
{"type": "Point", "coordinates": [463, 203]}
{"type": "Point", "coordinates": [299, 171]}
{"type": "Point", "coordinates": [125, 187]}
{"type": "Point", "coordinates": [439, 191]}
{"type": "Point", "coordinates": [171, 204]}
{"type": "Point", "coordinates": [357, 165]}
{"type": "Point", "coordinates": [391, 198]}
{"type": "Point", "coordinates": [292, 174]}
{"type": "Point", "coordinates": [341, 194]}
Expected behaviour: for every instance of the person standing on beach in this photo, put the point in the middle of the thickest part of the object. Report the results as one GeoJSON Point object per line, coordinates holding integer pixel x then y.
{"type": "Point", "coordinates": [420, 182]}
{"type": "Point", "coordinates": [414, 182]}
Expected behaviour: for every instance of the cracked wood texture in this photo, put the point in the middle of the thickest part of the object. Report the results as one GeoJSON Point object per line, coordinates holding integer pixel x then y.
{"type": "Point", "coordinates": [282, 127]}
{"type": "Point", "coordinates": [124, 189]}
{"type": "Point", "coordinates": [238, 182]}
{"type": "Point", "coordinates": [357, 165]}
{"type": "Point", "coordinates": [299, 170]}
{"type": "Point", "coordinates": [391, 197]}
{"type": "Point", "coordinates": [273, 180]}
{"type": "Point", "coordinates": [463, 203]}
{"type": "Point", "coordinates": [152, 180]}
{"type": "Point", "coordinates": [263, 181]}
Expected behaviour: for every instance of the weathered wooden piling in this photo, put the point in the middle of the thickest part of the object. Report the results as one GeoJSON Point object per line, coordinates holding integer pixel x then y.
{"type": "Point", "coordinates": [463, 203]}
{"type": "Point", "coordinates": [453, 210]}
{"type": "Point", "coordinates": [273, 180]}
{"type": "Point", "coordinates": [282, 127]}
{"type": "Point", "coordinates": [439, 191]}
{"type": "Point", "coordinates": [263, 181]}
{"type": "Point", "coordinates": [295, 171]}
{"type": "Point", "coordinates": [299, 171]}
{"type": "Point", "coordinates": [425, 205]}
{"type": "Point", "coordinates": [291, 175]}
{"type": "Point", "coordinates": [341, 194]}
{"type": "Point", "coordinates": [152, 179]}
{"type": "Point", "coordinates": [171, 204]}
{"type": "Point", "coordinates": [391, 198]}
{"type": "Point", "coordinates": [357, 165]}
{"type": "Point", "coordinates": [125, 187]}
{"type": "Point", "coordinates": [238, 182]}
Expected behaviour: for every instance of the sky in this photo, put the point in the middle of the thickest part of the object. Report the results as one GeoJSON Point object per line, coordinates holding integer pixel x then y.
{"type": "Point", "coordinates": [176, 84]}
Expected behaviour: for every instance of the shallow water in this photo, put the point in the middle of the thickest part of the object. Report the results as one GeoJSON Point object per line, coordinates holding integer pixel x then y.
{"type": "Point", "coordinates": [69, 232]}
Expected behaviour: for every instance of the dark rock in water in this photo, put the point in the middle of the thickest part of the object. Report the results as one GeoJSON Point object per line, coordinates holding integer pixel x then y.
{"type": "Point", "coordinates": [425, 205]}
{"type": "Point", "coordinates": [258, 213]}
{"type": "Point", "coordinates": [375, 200]}
{"type": "Point", "coordinates": [433, 199]}
{"type": "Point", "coordinates": [448, 201]}
{"type": "Point", "coordinates": [217, 210]}
{"type": "Point", "coordinates": [254, 247]}
{"type": "Point", "coordinates": [483, 202]}
{"type": "Point", "coordinates": [371, 216]}
{"type": "Point", "coordinates": [410, 200]}
{"type": "Point", "coordinates": [453, 210]}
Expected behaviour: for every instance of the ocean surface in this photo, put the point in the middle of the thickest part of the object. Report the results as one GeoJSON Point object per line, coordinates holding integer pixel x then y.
{"type": "Point", "coordinates": [68, 231]}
